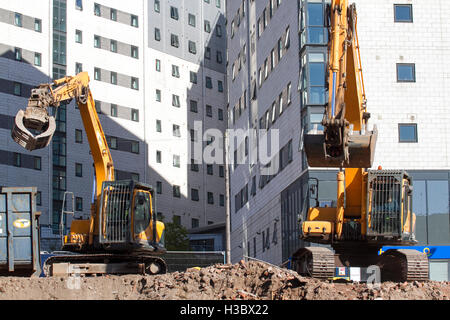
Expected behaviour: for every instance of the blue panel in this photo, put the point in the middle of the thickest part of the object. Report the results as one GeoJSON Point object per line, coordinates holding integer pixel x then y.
{"type": "Point", "coordinates": [21, 202]}
{"type": "Point", "coordinates": [3, 250]}
{"type": "Point", "coordinates": [433, 252]}
{"type": "Point", "coordinates": [2, 202]}
{"type": "Point", "coordinates": [22, 249]}
{"type": "Point", "coordinates": [21, 224]}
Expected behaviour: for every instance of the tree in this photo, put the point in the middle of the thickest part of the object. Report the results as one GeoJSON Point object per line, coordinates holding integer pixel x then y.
{"type": "Point", "coordinates": [176, 237]}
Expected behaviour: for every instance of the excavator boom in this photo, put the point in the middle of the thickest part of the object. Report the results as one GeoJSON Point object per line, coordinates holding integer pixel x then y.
{"type": "Point", "coordinates": [345, 141]}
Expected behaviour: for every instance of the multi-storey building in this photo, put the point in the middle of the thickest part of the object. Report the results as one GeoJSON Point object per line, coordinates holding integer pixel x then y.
{"type": "Point", "coordinates": [282, 77]}
{"type": "Point", "coordinates": [155, 67]}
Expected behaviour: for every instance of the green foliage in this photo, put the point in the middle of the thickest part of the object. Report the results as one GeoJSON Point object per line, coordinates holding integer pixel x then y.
{"type": "Point", "coordinates": [176, 237]}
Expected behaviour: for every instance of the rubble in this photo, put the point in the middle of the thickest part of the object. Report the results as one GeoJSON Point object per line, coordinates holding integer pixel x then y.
{"type": "Point", "coordinates": [251, 280]}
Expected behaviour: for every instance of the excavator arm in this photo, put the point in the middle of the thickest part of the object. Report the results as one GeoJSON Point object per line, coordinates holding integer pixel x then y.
{"type": "Point", "coordinates": [34, 128]}
{"type": "Point", "coordinates": [345, 141]}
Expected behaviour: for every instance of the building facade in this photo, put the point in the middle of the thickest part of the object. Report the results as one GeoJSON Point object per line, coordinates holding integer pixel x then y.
{"type": "Point", "coordinates": [156, 67]}
{"type": "Point", "coordinates": [405, 77]}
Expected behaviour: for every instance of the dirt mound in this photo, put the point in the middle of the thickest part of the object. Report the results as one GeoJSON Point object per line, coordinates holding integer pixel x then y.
{"type": "Point", "coordinates": [245, 280]}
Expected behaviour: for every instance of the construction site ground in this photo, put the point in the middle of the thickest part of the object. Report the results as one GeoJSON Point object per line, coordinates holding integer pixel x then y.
{"type": "Point", "coordinates": [252, 280]}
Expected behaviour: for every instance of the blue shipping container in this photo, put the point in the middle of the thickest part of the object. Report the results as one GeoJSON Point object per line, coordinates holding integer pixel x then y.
{"type": "Point", "coordinates": [19, 235]}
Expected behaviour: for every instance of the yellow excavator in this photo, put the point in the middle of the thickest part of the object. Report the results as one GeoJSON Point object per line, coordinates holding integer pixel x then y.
{"type": "Point", "coordinates": [373, 207]}
{"type": "Point", "coordinates": [122, 234]}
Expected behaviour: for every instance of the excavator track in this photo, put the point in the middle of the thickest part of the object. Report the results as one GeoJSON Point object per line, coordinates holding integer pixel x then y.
{"type": "Point", "coordinates": [99, 264]}
{"type": "Point", "coordinates": [316, 262]}
{"type": "Point", "coordinates": [402, 265]}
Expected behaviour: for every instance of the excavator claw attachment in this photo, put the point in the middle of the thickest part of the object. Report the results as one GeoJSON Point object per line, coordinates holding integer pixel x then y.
{"type": "Point", "coordinates": [33, 119]}
{"type": "Point", "coordinates": [361, 150]}
{"type": "Point", "coordinates": [34, 128]}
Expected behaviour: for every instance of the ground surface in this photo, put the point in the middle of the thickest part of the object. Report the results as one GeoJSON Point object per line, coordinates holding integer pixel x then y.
{"type": "Point", "coordinates": [245, 280]}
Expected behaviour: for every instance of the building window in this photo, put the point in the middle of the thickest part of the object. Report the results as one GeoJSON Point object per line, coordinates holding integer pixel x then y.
{"type": "Point", "coordinates": [220, 86]}
{"type": "Point", "coordinates": [78, 136]}
{"type": "Point", "coordinates": [158, 126]}
{"type": "Point", "coordinates": [403, 13]}
{"type": "Point", "coordinates": [97, 74]}
{"type": "Point", "coordinates": [78, 169]}
{"type": "Point", "coordinates": [157, 34]}
{"type": "Point", "coordinates": [222, 200]}
{"type": "Point", "coordinates": [209, 83]}
{"type": "Point", "coordinates": [157, 6]}
{"type": "Point", "coordinates": [79, 5]}
{"type": "Point", "coordinates": [219, 31]}
{"type": "Point", "coordinates": [113, 46]}
{"type": "Point", "coordinates": [194, 166]}
{"type": "Point", "coordinates": [78, 36]}
{"type": "Point", "coordinates": [134, 83]}
{"type": "Point", "coordinates": [78, 67]}
{"type": "Point", "coordinates": [406, 72]}
{"type": "Point", "coordinates": [210, 169]}
{"type": "Point", "coordinates": [134, 21]}
{"type": "Point", "coordinates": [158, 157]}
{"type": "Point", "coordinates": [135, 147]}
{"type": "Point", "coordinates": [218, 3]}
{"type": "Point", "coordinates": [193, 106]}
{"type": "Point", "coordinates": [113, 78]}
{"type": "Point", "coordinates": [175, 101]}
{"type": "Point", "coordinates": [208, 53]}
{"type": "Point", "coordinates": [79, 204]}
{"type": "Point", "coordinates": [113, 14]}
{"type": "Point", "coordinates": [207, 26]}
{"type": "Point", "coordinates": [17, 159]}
{"type": "Point", "coordinates": [158, 65]}
{"type": "Point", "coordinates": [176, 191]}
{"type": "Point", "coordinates": [37, 25]}
{"type": "Point", "coordinates": [17, 89]}
{"type": "Point", "coordinates": [37, 163]}
{"type": "Point", "coordinates": [208, 111]}
{"type": "Point", "coordinates": [174, 40]}
{"type": "Point", "coordinates": [18, 19]}
{"type": "Point", "coordinates": [194, 194]}
{"type": "Point", "coordinates": [175, 71]}
{"type": "Point", "coordinates": [134, 52]}
{"type": "Point", "coordinates": [135, 115]}
{"type": "Point", "coordinates": [221, 171]}
{"type": "Point", "coordinates": [191, 19]}
{"type": "Point", "coordinates": [194, 223]}
{"type": "Point", "coordinates": [219, 58]}
{"type": "Point", "coordinates": [113, 143]}
{"type": "Point", "coordinates": [37, 59]}
{"type": "Point", "coordinates": [158, 187]}
{"type": "Point", "coordinates": [114, 110]}
{"type": "Point", "coordinates": [39, 198]}
{"type": "Point", "coordinates": [210, 198]}
{"type": "Point", "coordinates": [18, 54]}
{"type": "Point", "coordinates": [158, 95]}
{"type": "Point", "coordinates": [193, 77]}
{"type": "Point", "coordinates": [174, 13]}
{"type": "Point", "coordinates": [176, 131]}
{"type": "Point", "coordinates": [96, 41]}
{"type": "Point", "coordinates": [97, 9]}
{"type": "Point", "coordinates": [192, 47]}
{"type": "Point", "coordinates": [220, 114]}
{"type": "Point", "coordinates": [407, 132]}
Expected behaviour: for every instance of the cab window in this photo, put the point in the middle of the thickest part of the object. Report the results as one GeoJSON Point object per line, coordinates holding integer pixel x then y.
{"type": "Point", "coordinates": [141, 211]}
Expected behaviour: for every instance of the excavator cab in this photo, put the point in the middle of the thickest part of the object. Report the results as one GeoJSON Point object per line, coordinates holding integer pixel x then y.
{"type": "Point", "coordinates": [127, 218]}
